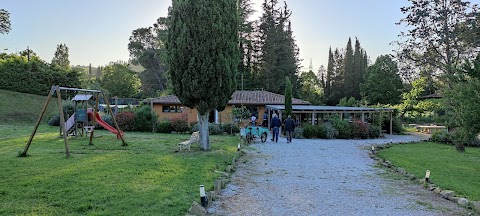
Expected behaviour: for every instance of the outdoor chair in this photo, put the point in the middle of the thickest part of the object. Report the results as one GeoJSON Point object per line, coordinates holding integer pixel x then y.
{"type": "Point", "coordinates": [193, 139]}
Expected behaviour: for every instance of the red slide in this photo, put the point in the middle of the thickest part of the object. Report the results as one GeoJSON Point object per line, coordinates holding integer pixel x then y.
{"type": "Point", "coordinates": [104, 124]}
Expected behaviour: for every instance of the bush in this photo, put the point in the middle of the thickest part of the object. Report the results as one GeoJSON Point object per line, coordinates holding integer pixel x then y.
{"type": "Point", "coordinates": [126, 121]}
{"type": "Point", "coordinates": [107, 118]}
{"type": "Point", "coordinates": [194, 127]}
{"type": "Point", "coordinates": [144, 119]}
{"type": "Point", "coordinates": [442, 137]}
{"type": "Point", "coordinates": [230, 128]}
{"type": "Point", "coordinates": [344, 129]}
{"type": "Point", "coordinates": [214, 129]}
{"type": "Point", "coordinates": [330, 132]}
{"type": "Point", "coordinates": [396, 126]}
{"type": "Point", "coordinates": [179, 125]}
{"type": "Point", "coordinates": [309, 131]}
{"type": "Point", "coordinates": [164, 126]}
{"type": "Point", "coordinates": [53, 119]}
{"type": "Point", "coordinates": [298, 133]}
{"type": "Point", "coordinates": [374, 131]}
{"type": "Point", "coordinates": [359, 130]}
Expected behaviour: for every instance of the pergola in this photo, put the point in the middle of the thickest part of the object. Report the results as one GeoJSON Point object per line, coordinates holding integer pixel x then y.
{"type": "Point", "coordinates": [314, 110]}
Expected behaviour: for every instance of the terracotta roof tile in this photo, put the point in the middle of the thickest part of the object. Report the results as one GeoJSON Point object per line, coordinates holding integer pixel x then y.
{"type": "Point", "coordinates": [241, 97]}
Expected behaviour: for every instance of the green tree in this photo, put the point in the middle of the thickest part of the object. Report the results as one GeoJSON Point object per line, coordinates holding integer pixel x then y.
{"type": "Point", "coordinates": [434, 36]}
{"type": "Point", "coordinates": [279, 53]}
{"type": "Point", "coordinates": [60, 57]}
{"type": "Point", "coordinates": [246, 44]}
{"type": "Point", "coordinates": [349, 73]}
{"type": "Point", "coordinates": [147, 48]}
{"type": "Point", "coordinates": [359, 69]}
{"type": "Point", "coordinates": [383, 84]}
{"type": "Point", "coordinates": [5, 25]}
{"type": "Point", "coordinates": [119, 81]}
{"type": "Point", "coordinates": [288, 96]}
{"type": "Point", "coordinates": [202, 47]}
{"type": "Point", "coordinates": [311, 88]}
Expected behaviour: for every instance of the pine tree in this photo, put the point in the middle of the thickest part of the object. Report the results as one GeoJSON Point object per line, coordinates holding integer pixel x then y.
{"type": "Point", "coordinates": [61, 56]}
{"type": "Point", "coordinates": [244, 74]}
{"type": "Point", "coordinates": [201, 78]}
{"type": "Point", "coordinates": [358, 70]}
{"type": "Point", "coordinates": [329, 77]}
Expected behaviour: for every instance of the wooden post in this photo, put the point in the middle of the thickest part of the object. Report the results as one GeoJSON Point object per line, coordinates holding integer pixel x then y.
{"type": "Point", "coordinates": [391, 122]}
{"type": "Point", "coordinates": [363, 117]}
{"type": "Point", "coordinates": [114, 120]}
{"type": "Point", "coordinates": [313, 118]}
{"type": "Point", "coordinates": [24, 153]}
{"type": "Point", "coordinates": [62, 122]}
{"type": "Point", "coordinates": [95, 108]}
{"type": "Point", "coordinates": [153, 114]}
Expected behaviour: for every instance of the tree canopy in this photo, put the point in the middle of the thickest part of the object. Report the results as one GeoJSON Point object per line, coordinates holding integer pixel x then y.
{"type": "Point", "coordinates": [383, 84]}
{"type": "Point", "coordinates": [5, 26]}
{"type": "Point", "coordinates": [202, 46]}
{"type": "Point", "coordinates": [60, 57]}
{"type": "Point", "coordinates": [118, 80]}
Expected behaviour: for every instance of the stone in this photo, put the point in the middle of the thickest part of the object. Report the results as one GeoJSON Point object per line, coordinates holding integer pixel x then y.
{"type": "Point", "coordinates": [462, 202]}
{"type": "Point", "coordinates": [401, 171]}
{"type": "Point", "coordinates": [197, 209]}
{"type": "Point", "coordinates": [447, 193]}
{"type": "Point", "coordinates": [217, 186]}
{"type": "Point", "coordinates": [228, 169]}
{"type": "Point", "coordinates": [212, 196]}
{"type": "Point", "coordinates": [225, 182]}
{"type": "Point", "coordinates": [388, 162]}
{"type": "Point", "coordinates": [453, 198]}
{"type": "Point", "coordinates": [476, 205]}
{"type": "Point", "coordinates": [437, 190]}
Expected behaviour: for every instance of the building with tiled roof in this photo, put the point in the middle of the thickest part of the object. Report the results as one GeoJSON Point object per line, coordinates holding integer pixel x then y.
{"type": "Point", "coordinates": [169, 107]}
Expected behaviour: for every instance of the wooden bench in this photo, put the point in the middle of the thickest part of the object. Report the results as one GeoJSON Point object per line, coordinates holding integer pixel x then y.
{"type": "Point", "coordinates": [193, 139]}
{"type": "Point", "coordinates": [430, 128]}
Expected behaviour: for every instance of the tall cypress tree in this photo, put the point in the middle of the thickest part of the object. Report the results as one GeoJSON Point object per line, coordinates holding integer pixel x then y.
{"type": "Point", "coordinates": [359, 68]}
{"type": "Point", "coordinates": [329, 77]}
{"type": "Point", "coordinates": [202, 78]}
{"type": "Point", "coordinates": [244, 78]}
{"type": "Point", "coordinates": [288, 96]}
{"type": "Point", "coordinates": [349, 76]}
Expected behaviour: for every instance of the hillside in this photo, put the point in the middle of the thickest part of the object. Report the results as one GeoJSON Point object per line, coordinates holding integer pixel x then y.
{"type": "Point", "coordinates": [20, 108]}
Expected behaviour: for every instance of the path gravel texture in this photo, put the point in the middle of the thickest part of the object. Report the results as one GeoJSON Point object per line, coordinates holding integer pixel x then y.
{"type": "Point", "coordinates": [324, 177]}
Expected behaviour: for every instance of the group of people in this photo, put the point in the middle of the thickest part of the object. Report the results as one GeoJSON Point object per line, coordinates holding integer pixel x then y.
{"type": "Point", "coordinates": [275, 125]}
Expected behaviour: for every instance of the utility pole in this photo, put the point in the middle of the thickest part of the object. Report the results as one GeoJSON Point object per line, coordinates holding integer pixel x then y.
{"type": "Point", "coordinates": [28, 53]}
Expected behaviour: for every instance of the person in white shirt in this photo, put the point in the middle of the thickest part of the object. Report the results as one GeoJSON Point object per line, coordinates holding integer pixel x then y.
{"type": "Point", "coordinates": [254, 118]}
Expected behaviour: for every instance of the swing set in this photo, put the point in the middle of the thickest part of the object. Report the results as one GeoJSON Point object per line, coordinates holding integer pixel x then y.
{"type": "Point", "coordinates": [79, 118]}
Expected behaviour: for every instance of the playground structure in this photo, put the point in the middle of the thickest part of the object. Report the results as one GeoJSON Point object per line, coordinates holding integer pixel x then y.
{"type": "Point", "coordinates": [78, 122]}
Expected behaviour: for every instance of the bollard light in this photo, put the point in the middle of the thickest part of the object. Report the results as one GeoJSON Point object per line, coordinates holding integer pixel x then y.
{"type": "Point", "coordinates": [238, 147]}
{"type": "Point", "coordinates": [427, 176]}
{"type": "Point", "coordinates": [373, 149]}
{"type": "Point", "coordinates": [203, 197]}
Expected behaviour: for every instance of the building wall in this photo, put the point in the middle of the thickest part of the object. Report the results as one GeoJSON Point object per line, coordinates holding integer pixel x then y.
{"type": "Point", "coordinates": [191, 114]}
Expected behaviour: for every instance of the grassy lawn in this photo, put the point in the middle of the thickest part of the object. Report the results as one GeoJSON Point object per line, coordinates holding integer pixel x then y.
{"type": "Point", "coordinates": [18, 107]}
{"type": "Point", "coordinates": [450, 169]}
{"type": "Point", "coordinates": [145, 178]}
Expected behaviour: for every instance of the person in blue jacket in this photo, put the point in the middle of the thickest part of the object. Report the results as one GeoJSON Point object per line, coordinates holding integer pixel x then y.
{"type": "Point", "coordinates": [276, 123]}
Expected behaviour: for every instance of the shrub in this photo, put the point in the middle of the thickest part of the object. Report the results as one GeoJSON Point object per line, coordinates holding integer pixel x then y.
{"type": "Point", "coordinates": [230, 128]}
{"type": "Point", "coordinates": [53, 119]}
{"type": "Point", "coordinates": [107, 118]}
{"type": "Point", "coordinates": [144, 119]}
{"type": "Point", "coordinates": [344, 129]}
{"type": "Point", "coordinates": [164, 126]}
{"type": "Point", "coordinates": [396, 125]}
{"type": "Point", "coordinates": [179, 125]}
{"type": "Point", "coordinates": [194, 127]}
{"type": "Point", "coordinates": [298, 133]}
{"type": "Point", "coordinates": [126, 120]}
{"type": "Point", "coordinates": [320, 131]}
{"type": "Point", "coordinates": [442, 137]}
{"type": "Point", "coordinates": [309, 131]}
{"type": "Point", "coordinates": [359, 130]}
{"type": "Point", "coordinates": [330, 132]}
{"type": "Point", "coordinates": [214, 129]}
{"type": "Point", "coordinates": [374, 131]}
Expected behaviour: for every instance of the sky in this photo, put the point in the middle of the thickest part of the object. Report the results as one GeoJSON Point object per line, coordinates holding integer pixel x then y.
{"type": "Point", "coordinates": [97, 31]}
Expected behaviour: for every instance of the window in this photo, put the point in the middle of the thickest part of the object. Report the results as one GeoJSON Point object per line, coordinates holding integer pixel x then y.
{"type": "Point", "coordinates": [172, 109]}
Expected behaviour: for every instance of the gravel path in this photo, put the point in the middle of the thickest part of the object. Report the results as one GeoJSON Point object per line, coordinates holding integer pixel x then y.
{"type": "Point", "coordinates": [324, 177]}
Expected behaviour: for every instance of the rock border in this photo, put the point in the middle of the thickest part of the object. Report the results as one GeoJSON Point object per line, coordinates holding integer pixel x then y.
{"type": "Point", "coordinates": [219, 184]}
{"type": "Point", "coordinates": [446, 194]}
